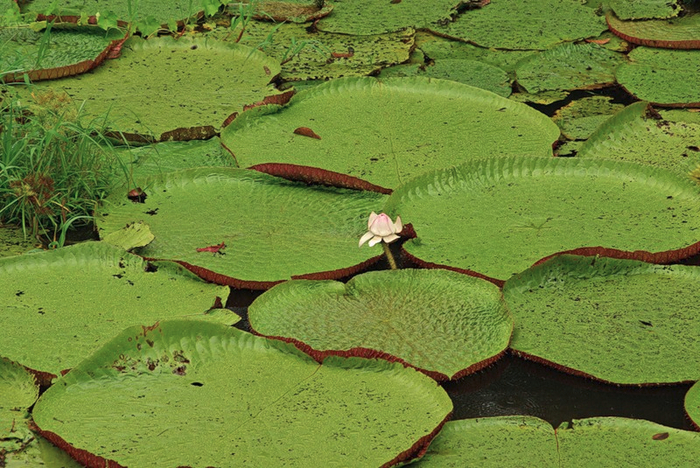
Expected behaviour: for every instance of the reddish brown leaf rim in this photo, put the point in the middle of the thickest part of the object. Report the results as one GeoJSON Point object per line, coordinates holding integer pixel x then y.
{"type": "Point", "coordinates": [315, 175]}
{"type": "Point", "coordinates": [662, 44]}
{"type": "Point", "coordinates": [369, 353]}
{"type": "Point", "coordinates": [418, 449]}
{"type": "Point", "coordinates": [307, 132]}
{"type": "Point", "coordinates": [438, 266]}
{"type": "Point", "coordinates": [68, 70]}
{"type": "Point", "coordinates": [681, 105]}
{"type": "Point", "coordinates": [224, 280]}
{"type": "Point", "coordinates": [278, 99]}
{"type": "Point", "coordinates": [665, 257]}
{"type": "Point", "coordinates": [576, 372]}
{"type": "Point", "coordinates": [83, 457]}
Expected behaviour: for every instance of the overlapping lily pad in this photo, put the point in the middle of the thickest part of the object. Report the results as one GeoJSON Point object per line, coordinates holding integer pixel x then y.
{"type": "Point", "coordinates": [76, 298]}
{"type": "Point", "coordinates": [639, 134]}
{"type": "Point", "coordinates": [692, 404]}
{"type": "Point", "coordinates": [644, 9]}
{"type": "Point", "coordinates": [167, 89]}
{"type": "Point", "coordinates": [271, 229]}
{"type": "Point", "coordinates": [499, 216]}
{"type": "Point", "coordinates": [256, 402]}
{"type": "Point", "coordinates": [677, 33]}
{"type": "Point", "coordinates": [387, 131]}
{"type": "Point", "coordinates": [567, 67]}
{"type": "Point", "coordinates": [493, 442]}
{"type": "Point", "coordinates": [365, 17]}
{"type": "Point", "coordinates": [525, 24]}
{"type": "Point", "coordinates": [443, 323]}
{"type": "Point", "coordinates": [663, 76]}
{"type": "Point", "coordinates": [63, 50]}
{"type": "Point", "coordinates": [622, 321]}
{"type": "Point", "coordinates": [582, 117]}
{"type": "Point", "coordinates": [18, 391]}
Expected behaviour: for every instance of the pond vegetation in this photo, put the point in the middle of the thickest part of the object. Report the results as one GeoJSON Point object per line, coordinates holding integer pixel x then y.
{"type": "Point", "coordinates": [192, 194]}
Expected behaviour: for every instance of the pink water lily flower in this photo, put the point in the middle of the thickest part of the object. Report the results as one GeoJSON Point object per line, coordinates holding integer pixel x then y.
{"type": "Point", "coordinates": [381, 228]}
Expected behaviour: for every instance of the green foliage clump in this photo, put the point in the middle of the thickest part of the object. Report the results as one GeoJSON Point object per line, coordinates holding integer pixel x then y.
{"type": "Point", "coordinates": [54, 168]}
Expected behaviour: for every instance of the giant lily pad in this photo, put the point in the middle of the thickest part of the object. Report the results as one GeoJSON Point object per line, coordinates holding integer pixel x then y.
{"type": "Point", "coordinates": [677, 33]}
{"type": "Point", "coordinates": [63, 50]}
{"type": "Point", "coordinates": [493, 442]}
{"type": "Point", "coordinates": [499, 216]}
{"type": "Point", "coordinates": [256, 402]}
{"type": "Point", "coordinates": [616, 442]}
{"type": "Point", "coordinates": [568, 66]}
{"type": "Point", "coordinates": [165, 89]}
{"type": "Point", "coordinates": [638, 134]}
{"type": "Point", "coordinates": [602, 317]}
{"type": "Point", "coordinates": [443, 323]}
{"type": "Point", "coordinates": [271, 229]}
{"type": "Point", "coordinates": [525, 24]}
{"type": "Point", "coordinates": [18, 391]}
{"type": "Point", "coordinates": [663, 76]}
{"type": "Point", "coordinates": [580, 118]}
{"type": "Point", "coordinates": [643, 9]}
{"type": "Point", "coordinates": [77, 297]}
{"type": "Point", "coordinates": [365, 17]}
{"type": "Point", "coordinates": [387, 131]}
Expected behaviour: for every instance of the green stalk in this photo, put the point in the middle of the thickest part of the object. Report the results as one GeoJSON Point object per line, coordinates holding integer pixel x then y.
{"type": "Point", "coordinates": [389, 256]}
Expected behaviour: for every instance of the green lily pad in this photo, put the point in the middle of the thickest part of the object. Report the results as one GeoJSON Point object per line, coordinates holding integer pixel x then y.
{"type": "Point", "coordinates": [692, 404]}
{"type": "Point", "coordinates": [567, 309]}
{"type": "Point", "coordinates": [469, 72]}
{"type": "Point", "coordinates": [325, 55]}
{"type": "Point", "coordinates": [39, 452]}
{"type": "Point", "coordinates": [544, 98]}
{"type": "Point", "coordinates": [166, 89]}
{"type": "Point", "coordinates": [580, 118]}
{"type": "Point", "coordinates": [616, 442]}
{"type": "Point", "coordinates": [677, 33]}
{"type": "Point", "coordinates": [493, 442]}
{"type": "Point", "coordinates": [568, 67]}
{"type": "Point", "coordinates": [445, 324]}
{"type": "Point", "coordinates": [644, 9]}
{"type": "Point", "coordinates": [366, 17]}
{"type": "Point", "coordinates": [109, 289]}
{"type": "Point", "coordinates": [170, 156]}
{"type": "Point", "coordinates": [305, 230]}
{"type": "Point", "coordinates": [13, 241]}
{"type": "Point", "coordinates": [637, 134]}
{"type": "Point", "coordinates": [525, 24]}
{"type": "Point", "coordinates": [256, 402]}
{"type": "Point", "coordinates": [65, 50]}
{"type": "Point", "coordinates": [691, 116]}
{"type": "Point", "coordinates": [662, 76]}
{"type": "Point", "coordinates": [18, 391]}
{"type": "Point", "coordinates": [499, 216]}
{"type": "Point", "coordinates": [389, 130]}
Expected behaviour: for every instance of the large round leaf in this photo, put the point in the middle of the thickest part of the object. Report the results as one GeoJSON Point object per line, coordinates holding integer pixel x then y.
{"type": "Point", "coordinates": [499, 216]}
{"type": "Point", "coordinates": [567, 67]}
{"type": "Point", "coordinates": [641, 9]}
{"type": "Point", "coordinates": [255, 402]}
{"type": "Point", "coordinates": [387, 131]}
{"type": "Point", "coordinates": [677, 33]}
{"type": "Point", "coordinates": [75, 298]}
{"type": "Point", "coordinates": [580, 118]}
{"type": "Point", "coordinates": [617, 442]}
{"type": "Point", "coordinates": [525, 24]}
{"type": "Point", "coordinates": [621, 321]}
{"type": "Point", "coordinates": [271, 229]}
{"type": "Point", "coordinates": [166, 89]}
{"type": "Point", "coordinates": [18, 391]}
{"type": "Point", "coordinates": [64, 50]}
{"type": "Point", "coordinates": [662, 76]}
{"type": "Point", "coordinates": [637, 134]}
{"type": "Point", "coordinates": [506, 441]}
{"type": "Point", "coordinates": [445, 324]}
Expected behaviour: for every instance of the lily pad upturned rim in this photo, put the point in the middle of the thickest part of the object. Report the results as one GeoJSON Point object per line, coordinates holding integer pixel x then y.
{"type": "Point", "coordinates": [616, 26]}
{"type": "Point", "coordinates": [111, 51]}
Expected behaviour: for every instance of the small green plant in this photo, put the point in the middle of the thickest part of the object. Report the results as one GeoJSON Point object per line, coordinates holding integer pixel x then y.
{"type": "Point", "coordinates": [296, 47]}
{"type": "Point", "coordinates": [54, 168]}
{"type": "Point", "coordinates": [242, 18]}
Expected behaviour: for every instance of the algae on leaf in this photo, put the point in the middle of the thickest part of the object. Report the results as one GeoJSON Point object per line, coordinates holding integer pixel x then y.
{"type": "Point", "coordinates": [445, 324]}
{"type": "Point", "coordinates": [257, 402]}
{"type": "Point", "coordinates": [387, 131]}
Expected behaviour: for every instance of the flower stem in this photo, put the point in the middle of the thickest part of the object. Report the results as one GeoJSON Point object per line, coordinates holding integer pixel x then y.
{"type": "Point", "coordinates": [389, 256]}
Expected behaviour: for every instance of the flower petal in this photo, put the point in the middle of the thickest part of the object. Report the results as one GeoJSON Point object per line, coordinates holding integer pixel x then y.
{"type": "Point", "coordinates": [367, 236]}
{"type": "Point", "coordinates": [375, 240]}
{"type": "Point", "coordinates": [398, 226]}
{"type": "Point", "coordinates": [391, 238]}
{"type": "Point", "coordinates": [372, 217]}
{"type": "Point", "coordinates": [382, 225]}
